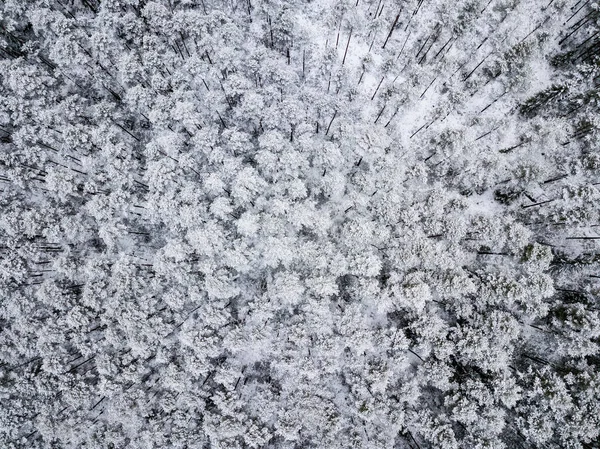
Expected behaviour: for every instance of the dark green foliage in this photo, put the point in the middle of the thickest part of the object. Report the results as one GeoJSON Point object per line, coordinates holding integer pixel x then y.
{"type": "Point", "coordinates": [543, 99]}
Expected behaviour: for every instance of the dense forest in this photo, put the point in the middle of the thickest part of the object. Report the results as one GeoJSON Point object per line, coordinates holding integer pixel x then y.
{"type": "Point", "coordinates": [300, 224]}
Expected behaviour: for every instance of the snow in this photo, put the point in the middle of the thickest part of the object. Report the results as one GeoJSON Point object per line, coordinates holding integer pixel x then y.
{"type": "Point", "coordinates": [247, 224]}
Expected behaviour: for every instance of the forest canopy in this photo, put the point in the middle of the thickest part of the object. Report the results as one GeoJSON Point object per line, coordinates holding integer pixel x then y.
{"type": "Point", "coordinates": [299, 224]}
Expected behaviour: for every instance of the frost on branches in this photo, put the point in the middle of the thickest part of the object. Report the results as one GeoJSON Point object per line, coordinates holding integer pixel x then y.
{"type": "Point", "coordinates": [299, 224]}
